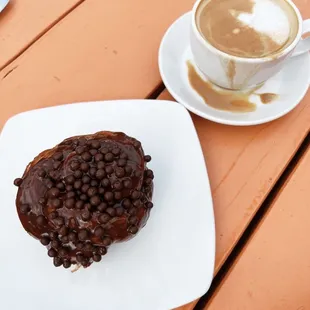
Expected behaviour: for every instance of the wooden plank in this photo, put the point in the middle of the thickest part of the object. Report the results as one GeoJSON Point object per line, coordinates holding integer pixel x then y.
{"type": "Point", "coordinates": [101, 50]}
{"type": "Point", "coordinates": [23, 21]}
{"type": "Point", "coordinates": [273, 270]}
{"type": "Point", "coordinates": [243, 165]}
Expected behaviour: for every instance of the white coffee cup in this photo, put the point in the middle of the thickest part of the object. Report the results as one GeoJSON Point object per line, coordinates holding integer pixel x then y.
{"type": "Point", "coordinates": [247, 72]}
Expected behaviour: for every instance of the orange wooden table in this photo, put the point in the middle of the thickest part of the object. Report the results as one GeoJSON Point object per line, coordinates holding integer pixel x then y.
{"type": "Point", "coordinates": [62, 51]}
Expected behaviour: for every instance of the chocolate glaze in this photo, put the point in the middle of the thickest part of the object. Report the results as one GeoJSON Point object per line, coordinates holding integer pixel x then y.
{"type": "Point", "coordinates": [53, 166]}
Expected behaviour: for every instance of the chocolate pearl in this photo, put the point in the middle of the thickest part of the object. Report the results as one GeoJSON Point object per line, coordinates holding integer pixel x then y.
{"type": "Point", "coordinates": [128, 170]}
{"type": "Point", "coordinates": [83, 197]}
{"type": "Point", "coordinates": [118, 185]}
{"type": "Point", "coordinates": [86, 179]}
{"type": "Point", "coordinates": [109, 169]}
{"type": "Point", "coordinates": [77, 184]}
{"type": "Point", "coordinates": [135, 194]}
{"type": "Point", "coordinates": [149, 173]}
{"type": "Point", "coordinates": [53, 175]}
{"type": "Point", "coordinates": [94, 183]}
{"type": "Point", "coordinates": [79, 257]}
{"type": "Point", "coordinates": [133, 229]}
{"type": "Point", "coordinates": [85, 262]}
{"type": "Point", "coordinates": [97, 258]}
{"type": "Point", "coordinates": [99, 231]}
{"type": "Point", "coordinates": [101, 190]}
{"type": "Point", "coordinates": [100, 165]}
{"type": "Point", "coordinates": [83, 234]}
{"type": "Point", "coordinates": [69, 188]}
{"type": "Point", "coordinates": [59, 221]}
{"type": "Point", "coordinates": [138, 173]}
{"type": "Point", "coordinates": [72, 222]}
{"type": "Point", "coordinates": [60, 186]}
{"type": "Point", "coordinates": [119, 211]}
{"type": "Point", "coordinates": [86, 156]}
{"type": "Point", "coordinates": [45, 240]}
{"type": "Point", "coordinates": [24, 208]}
{"type": "Point", "coordinates": [75, 165]}
{"type": "Point", "coordinates": [137, 203]}
{"type": "Point", "coordinates": [111, 211]}
{"type": "Point", "coordinates": [109, 157]}
{"type": "Point", "coordinates": [63, 230]}
{"type": "Point", "coordinates": [56, 203]}
{"type": "Point", "coordinates": [148, 181]}
{"type": "Point", "coordinates": [70, 179]}
{"type": "Point", "coordinates": [124, 156]}
{"type": "Point", "coordinates": [118, 195]}
{"type": "Point", "coordinates": [103, 250]}
{"type": "Point", "coordinates": [78, 174]}
{"type": "Point", "coordinates": [120, 172]}
{"type": "Point", "coordinates": [79, 204]}
{"type": "Point", "coordinates": [88, 247]}
{"type": "Point", "coordinates": [53, 235]}
{"type": "Point", "coordinates": [147, 158]}
{"type": "Point", "coordinates": [56, 164]}
{"type": "Point", "coordinates": [100, 174]}
{"type": "Point", "coordinates": [80, 246]}
{"type": "Point", "coordinates": [69, 203]}
{"type": "Point", "coordinates": [80, 150]}
{"type": "Point", "coordinates": [88, 206]}
{"type": "Point", "coordinates": [56, 244]}
{"type": "Point", "coordinates": [18, 182]}
{"type": "Point", "coordinates": [66, 264]}
{"type": "Point", "coordinates": [64, 239]}
{"type": "Point", "coordinates": [85, 215]}
{"type": "Point", "coordinates": [95, 144]}
{"type": "Point", "coordinates": [93, 152]}
{"type": "Point", "coordinates": [58, 156]}
{"type": "Point", "coordinates": [106, 241]}
{"type": "Point", "coordinates": [102, 206]}
{"type": "Point", "coordinates": [126, 203]}
{"type": "Point", "coordinates": [53, 215]}
{"type": "Point", "coordinates": [108, 196]}
{"type": "Point", "coordinates": [95, 200]}
{"type": "Point", "coordinates": [122, 162]}
{"type": "Point", "coordinates": [49, 183]}
{"type": "Point", "coordinates": [52, 252]}
{"type": "Point", "coordinates": [116, 151]}
{"type": "Point", "coordinates": [53, 192]}
{"type": "Point", "coordinates": [104, 150]}
{"type": "Point", "coordinates": [137, 144]}
{"type": "Point", "coordinates": [133, 220]}
{"type": "Point", "coordinates": [149, 205]}
{"type": "Point", "coordinates": [132, 211]}
{"type": "Point", "coordinates": [84, 167]}
{"type": "Point", "coordinates": [85, 188]}
{"type": "Point", "coordinates": [63, 251]}
{"type": "Point", "coordinates": [41, 173]}
{"type": "Point", "coordinates": [92, 191]}
{"type": "Point", "coordinates": [99, 157]}
{"type": "Point", "coordinates": [105, 182]}
{"type": "Point", "coordinates": [92, 172]}
{"type": "Point", "coordinates": [72, 236]}
{"type": "Point", "coordinates": [41, 220]}
{"type": "Point", "coordinates": [104, 218]}
{"type": "Point", "coordinates": [128, 184]}
{"type": "Point", "coordinates": [57, 261]}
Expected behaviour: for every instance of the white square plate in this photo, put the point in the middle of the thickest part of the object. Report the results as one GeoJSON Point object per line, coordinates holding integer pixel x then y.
{"type": "Point", "coordinates": [3, 4]}
{"type": "Point", "coordinates": [168, 264]}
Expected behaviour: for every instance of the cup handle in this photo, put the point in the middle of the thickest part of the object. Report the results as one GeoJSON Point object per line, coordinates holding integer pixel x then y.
{"type": "Point", "coordinates": [304, 45]}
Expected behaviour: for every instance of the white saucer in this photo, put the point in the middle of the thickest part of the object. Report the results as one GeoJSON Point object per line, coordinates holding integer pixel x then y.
{"type": "Point", "coordinates": [291, 83]}
{"type": "Point", "coordinates": [3, 4]}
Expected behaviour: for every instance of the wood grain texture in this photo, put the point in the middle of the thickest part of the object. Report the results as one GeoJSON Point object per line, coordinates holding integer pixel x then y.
{"type": "Point", "coordinates": [23, 21]}
{"type": "Point", "coordinates": [273, 270]}
{"type": "Point", "coordinates": [101, 50]}
{"type": "Point", "coordinates": [243, 165]}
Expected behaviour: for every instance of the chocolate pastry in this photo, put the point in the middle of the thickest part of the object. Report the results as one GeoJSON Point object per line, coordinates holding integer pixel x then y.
{"type": "Point", "coordinates": [85, 194]}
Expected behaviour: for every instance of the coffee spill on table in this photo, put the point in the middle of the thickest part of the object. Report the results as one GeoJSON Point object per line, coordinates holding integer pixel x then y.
{"type": "Point", "coordinates": [223, 99]}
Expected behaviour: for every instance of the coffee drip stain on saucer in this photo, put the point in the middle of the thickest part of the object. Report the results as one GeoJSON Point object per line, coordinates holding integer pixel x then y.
{"type": "Point", "coordinates": [224, 99]}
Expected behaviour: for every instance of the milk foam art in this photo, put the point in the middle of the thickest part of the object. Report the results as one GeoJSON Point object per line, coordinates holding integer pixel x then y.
{"type": "Point", "coordinates": [268, 18]}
